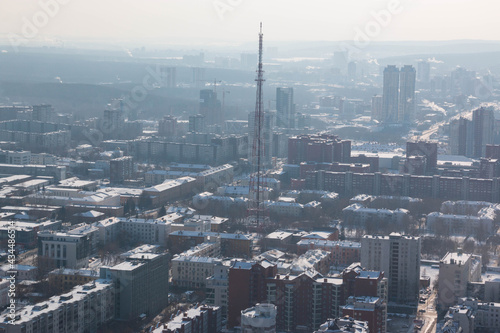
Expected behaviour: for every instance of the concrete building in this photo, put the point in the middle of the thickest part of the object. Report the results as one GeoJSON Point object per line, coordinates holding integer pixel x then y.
{"type": "Point", "coordinates": [471, 316]}
{"type": "Point", "coordinates": [170, 190]}
{"type": "Point", "coordinates": [209, 178]}
{"type": "Point", "coordinates": [436, 186]}
{"type": "Point", "coordinates": [483, 120]}
{"type": "Point", "coordinates": [373, 310]}
{"type": "Point", "coordinates": [320, 148]}
{"type": "Point", "coordinates": [202, 319]}
{"type": "Point", "coordinates": [285, 109]}
{"type": "Point", "coordinates": [146, 231]}
{"type": "Point", "coordinates": [210, 248]}
{"type": "Point", "coordinates": [462, 225]}
{"type": "Point", "coordinates": [398, 256]}
{"type": "Point", "coordinates": [232, 245]}
{"type": "Point", "coordinates": [121, 169]}
{"type": "Point", "coordinates": [358, 215]}
{"type": "Point", "coordinates": [345, 324]}
{"type": "Point", "coordinates": [456, 269]}
{"type": "Point", "coordinates": [63, 279]}
{"type": "Point", "coordinates": [141, 285]}
{"type": "Point", "coordinates": [197, 123]}
{"type": "Point", "coordinates": [317, 260]}
{"type": "Point", "coordinates": [70, 249]}
{"type": "Point", "coordinates": [304, 301]}
{"type": "Point", "coordinates": [247, 287]}
{"type": "Point", "coordinates": [259, 319]}
{"type": "Point", "coordinates": [210, 107]}
{"type": "Point", "coordinates": [218, 286]}
{"type": "Point", "coordinates": [406, 108]}
{"type": "Point", "coordinates": [19, 157]}
{"type": "Point", "coordinates": [192, 272]}
{"type": "Point", "coordinates": [59, 196]}
{"type": "Point", "coordinates": [390, 95]}
{"type": "Point", "coordinates": [4, 292]}
{"type": "Point", "coordinates": [23, 272]}
{"type": "Point", "coordinates": [84, 309]}
{"type": "Point", "coordinates": [342, 253]}
{"type": "Point", "coordinates": [26, 232]}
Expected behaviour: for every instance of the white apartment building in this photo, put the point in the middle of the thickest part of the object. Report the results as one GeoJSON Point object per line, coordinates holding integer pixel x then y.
{"type": "Point", "coordinates": [470, 316]}
{"type": "Point", "coordinates": [192, 272]}
{"type": "Point", "coordinates": [59, 196]}
{"type": "Point", "coordinates": [357, 214]}
{"type": "Point", "coordinates": [84, 309]}
{"type": "Point", "coordinates": [398, 256]}
{"type": "Point", "coordinates": [462, 225]}
{"type": "Point", "coordinates": [146, 231]}
{"type": "Point", "coordinates": [456, 269]}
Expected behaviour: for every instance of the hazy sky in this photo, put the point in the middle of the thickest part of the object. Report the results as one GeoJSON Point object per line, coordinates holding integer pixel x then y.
{"type": "Point", "coordinates": [196, 21]}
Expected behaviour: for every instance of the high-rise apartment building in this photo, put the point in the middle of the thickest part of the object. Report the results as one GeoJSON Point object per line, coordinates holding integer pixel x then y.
{"type": "Point", "coordinates": [484, 126]}
{"type": "Point", "coordinates": [120, 169]}
{"type": "Point", "coordinates": [398, 256]}
{"type": "Point", "coordinates": [406, 108]}
{"type": "Point", "coordinates": [43, 113]}
{"type": "Point", "coordinates": [398, 104]}
{"type": "Point", "coordinates": [168, 127]}
{"type": "Point", "coordinates": [460, 142]}
{"type": "Point", "coordinates": [320, 148]}
{"type": "Point", "coordinates": [267, 135]}
{"type": "Point", "coordinates": [377, 110]}
{"type": "Point", "coordinates": [210, 107]}
{"type": "Point", "coordinates": [424, 72]}
{"type": "Point", "coordinates": [469, 137]}
{"type": "Point", "coordinates": [197, 123]}
{"type": "Point", "coordinates": [285, 109]}
{"type": "Point", "coordinates": [390, 103]}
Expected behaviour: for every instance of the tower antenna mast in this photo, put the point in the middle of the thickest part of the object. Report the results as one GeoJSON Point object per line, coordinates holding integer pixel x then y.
{"type": "Point", "coordinates": [256, 181]}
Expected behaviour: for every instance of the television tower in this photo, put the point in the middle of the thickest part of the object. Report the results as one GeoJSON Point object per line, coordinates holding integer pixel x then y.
{"type": "Point", "coordinates": [257, 178]}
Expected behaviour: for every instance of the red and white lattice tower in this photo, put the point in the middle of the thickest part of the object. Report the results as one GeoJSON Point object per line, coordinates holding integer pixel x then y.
{"type": "Point", "coordinates": [258, 184]}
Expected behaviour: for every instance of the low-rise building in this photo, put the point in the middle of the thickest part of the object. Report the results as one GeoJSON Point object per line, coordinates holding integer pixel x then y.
{"type": "Point", "coordinates": [471, 316]}
{"type": "Point", "coordinates": [358, 215]}
{"type": "Point", "coordinates": [462, 225]}
{"type": "Point", "coordinates": [63, 279]}
{"type": "Point", "coordinates": [70, 249]}
{"type": "Point", "coordinates": [345, 324]}
{"type": "Point", "coordinates": [23, 272]}
{"type": "Point", "coordinates": [343, 253]}
{"type": "Point", "coordinates": [146, 231]}
{"type": "Point", "coordinates": [259, 319]}
{"type": "Point", "coordinates": [170, 190]}
{"type": "Point", "coordinates": [318, 260]}
{"type": "Point", "coordinates": [232, 245]}
{"type": "Point", "coordinates": [373, 310]}
{"type": "Point", "coordinates": [203, 319]}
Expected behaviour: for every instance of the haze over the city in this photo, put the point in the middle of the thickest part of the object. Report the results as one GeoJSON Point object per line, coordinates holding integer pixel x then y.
{"type": "Point", "coordinates": [168, 167]}
{"type": "Point", "coordinates": [234, 21]}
